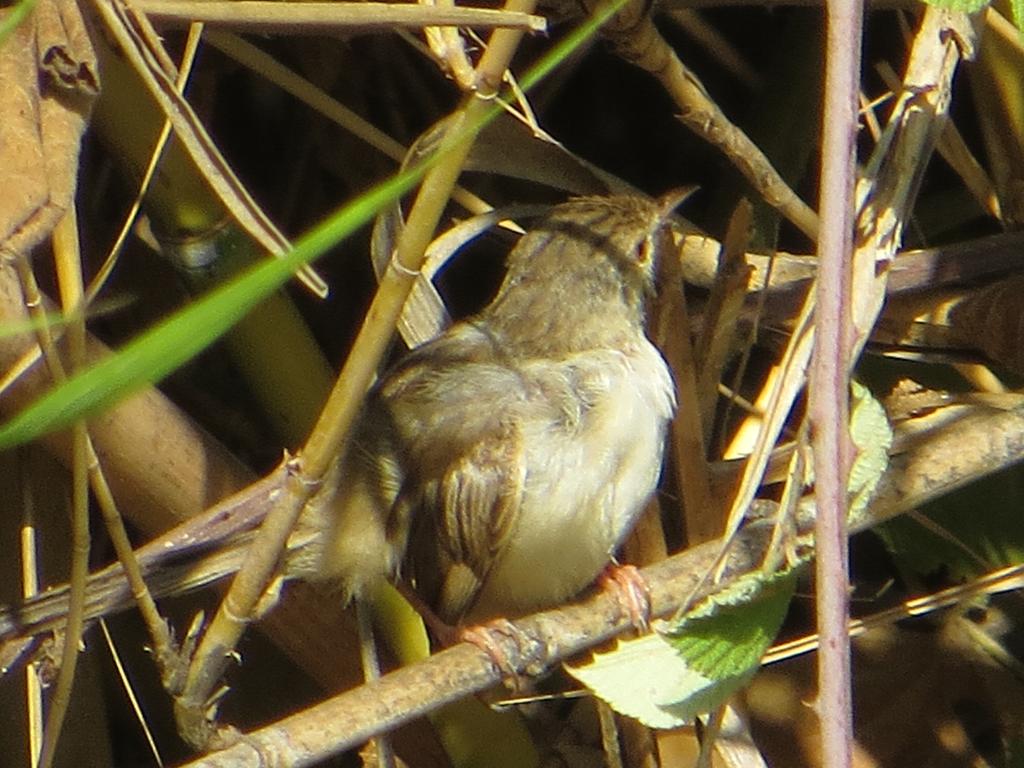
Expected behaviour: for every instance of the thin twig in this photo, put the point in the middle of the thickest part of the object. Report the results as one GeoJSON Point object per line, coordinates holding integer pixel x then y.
{"type": "Point", "coordinates": [187, 60]}
{"type": "Point", "coordinates": [829, 390]}
{"type": "Point", "coordinates": [65, 237]}
{"type": "Point", "coordinates": [28, 544]}
{"type": "Point", "coordinates": [1008, 579]}
{"type": "Point", "coordinates": [639, 42]}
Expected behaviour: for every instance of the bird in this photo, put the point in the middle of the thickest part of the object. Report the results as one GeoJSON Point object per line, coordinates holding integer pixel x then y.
{"type": "Point", "coordinates": [497, 468]}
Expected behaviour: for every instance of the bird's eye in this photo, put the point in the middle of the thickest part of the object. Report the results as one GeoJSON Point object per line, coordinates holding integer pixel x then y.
{"type": "Point", "coordinates": [645, 251]}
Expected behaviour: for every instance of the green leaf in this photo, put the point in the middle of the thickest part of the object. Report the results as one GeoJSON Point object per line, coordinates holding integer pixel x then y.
{"type": "Point", "coordinates": [666, 680]}
{"type": "Point", "coordinates": [646, 679]}
{"type": "Point", "coordinates": [727, 635]}
{"type": "Point", "coordinates": [872, 436]}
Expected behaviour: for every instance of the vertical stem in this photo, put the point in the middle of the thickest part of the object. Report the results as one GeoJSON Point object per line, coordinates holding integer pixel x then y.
{"type": "Point", "coordinates": [30, 588]}
{"type": "Point", "coordinates": [829, 391]}
{"type": "Point", "coordinates": [65, 237]}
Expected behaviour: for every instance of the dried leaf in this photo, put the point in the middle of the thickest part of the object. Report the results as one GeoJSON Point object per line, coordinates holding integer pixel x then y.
{"type": "Point", "coordinates": [48, 80]}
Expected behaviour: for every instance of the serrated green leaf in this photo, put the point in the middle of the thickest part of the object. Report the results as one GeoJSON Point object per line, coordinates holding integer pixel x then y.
{"type": "Point", "coordinates": [644, 678]}
{"type": "Point", "coordinates": [727, 636]}
{"type": "Point", "coordinates": [666, 680]}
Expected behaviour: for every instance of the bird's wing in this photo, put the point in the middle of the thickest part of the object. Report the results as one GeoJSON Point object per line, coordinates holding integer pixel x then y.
{"type": "Point", "coordinates": [476, 508]}
{"type": "Point", "coordinates": [465, 463]}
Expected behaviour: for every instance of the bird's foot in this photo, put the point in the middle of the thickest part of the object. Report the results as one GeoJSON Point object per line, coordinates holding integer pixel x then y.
{"type": "Point", "coordinates": [505, 645]}
{"type": "Point", "coordinates": [630, 591]}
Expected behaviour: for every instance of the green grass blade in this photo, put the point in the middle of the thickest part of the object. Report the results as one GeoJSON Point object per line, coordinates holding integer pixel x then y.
{"type": "Point", "coordinates": [15, 15]}
{"type": "Point", "coordinates": [157, 352]}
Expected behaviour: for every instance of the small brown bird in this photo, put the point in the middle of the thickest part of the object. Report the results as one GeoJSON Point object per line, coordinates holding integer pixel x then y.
{"type": "Point", "coordinates": [501, 465]}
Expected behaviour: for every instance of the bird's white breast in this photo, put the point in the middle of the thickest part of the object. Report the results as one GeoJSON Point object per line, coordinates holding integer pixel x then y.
{"type": "Point", "coordinates": [589, 473]}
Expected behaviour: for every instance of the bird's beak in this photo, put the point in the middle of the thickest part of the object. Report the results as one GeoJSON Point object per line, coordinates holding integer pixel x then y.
{"type": "Point", "coordinates": [672, 199]}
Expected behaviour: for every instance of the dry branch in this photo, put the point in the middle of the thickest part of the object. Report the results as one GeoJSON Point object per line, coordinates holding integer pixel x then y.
{"type": "Point", "coordinates": [325, 18]}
